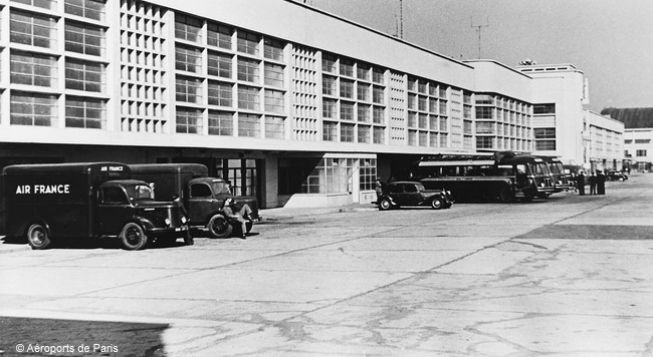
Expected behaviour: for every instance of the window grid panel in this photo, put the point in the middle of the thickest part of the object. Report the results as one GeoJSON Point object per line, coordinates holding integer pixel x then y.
{"type": "Point", "coordinates": [219, 36]}
{"type": "Point", "coordinates": [32, 30]}
{"type": "Point", "coordinates": [248, 98]}
{"type": "Point", "coordinates": [219, 65]}
{"type": "Point", "coordinates": [249, 125]}
{"type": "Point", "coordinates": [189, 121]}
{"type": "Point", "coordinates": [33, 109]}
{"type": "Point", "coordinates": [90, 9]}
{"type": "Point", "coordinates": [221, 123]}
{"type": "Point", "coordinates": [85, 113]}
{"type": "Point", "coordinates": [221, 94]}
{"type": "Point", "coordinates": [33, 69]}
{"type": "Point", "coordinates": [188, 90]}
{"type": "Point", "coordinates": [85, 76]}
{"type": "Point", "coordinates": [275, 127]}
{"type": "Point", "coordinates": [84, 39]}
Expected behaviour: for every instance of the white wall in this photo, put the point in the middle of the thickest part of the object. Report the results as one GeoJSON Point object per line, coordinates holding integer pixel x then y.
{"type": "Point", "coordinates": [566, 90]}
{"type": "Point", "coordinates": [494, 77]}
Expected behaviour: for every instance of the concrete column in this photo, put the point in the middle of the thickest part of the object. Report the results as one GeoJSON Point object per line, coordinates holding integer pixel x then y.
{"type": "Point", "coordinates": [271, 179]}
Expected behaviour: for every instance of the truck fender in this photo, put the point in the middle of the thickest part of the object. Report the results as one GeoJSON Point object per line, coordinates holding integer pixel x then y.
{"type": "Point", "coordinates": [33, 221]}
{"type": "Point", "coordinates": [144, 222]}
{"type": "Point", "coordinates": [210, 215]}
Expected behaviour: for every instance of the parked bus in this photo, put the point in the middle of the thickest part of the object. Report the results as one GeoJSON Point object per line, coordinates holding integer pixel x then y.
{"type": "Point", "coordinates": [487, 177]}
{"type": "Point", "coordinates": [562, 179]}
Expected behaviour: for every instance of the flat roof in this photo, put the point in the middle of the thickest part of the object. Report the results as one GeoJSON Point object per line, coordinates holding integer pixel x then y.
{"type": "Point", "coordinates": [400, 40]}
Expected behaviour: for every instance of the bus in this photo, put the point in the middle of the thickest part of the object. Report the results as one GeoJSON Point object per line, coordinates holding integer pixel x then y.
{"type": "Point", "coordinates": [562, 180]}
{"type": "Point", "coordinates": [501, 177]}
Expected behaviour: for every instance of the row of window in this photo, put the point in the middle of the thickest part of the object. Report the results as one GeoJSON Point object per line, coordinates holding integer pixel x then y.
{"type": "Point", "coordinates": [333, 131]}
{"type": "Point", "coordinates": [41, 70]}
{"type": "Point", "coordinates": [189, 28]}
{"type": "Point", "coordinates": [191, 90]}
{"type": "Point", "coordinates": [91, 9]}
{"type": "Point", "coordinates": [41, 31]}
{"type": "Point", "coordinates": [222, 123]}
{"type": "Point", "coordinates": [41, 110]}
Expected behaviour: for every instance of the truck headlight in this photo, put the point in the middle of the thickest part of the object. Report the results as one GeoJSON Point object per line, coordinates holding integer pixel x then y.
{"type": "Point", "coordinates": [167, 220]}
{"type": "Point", "coordinates": [183, 220]}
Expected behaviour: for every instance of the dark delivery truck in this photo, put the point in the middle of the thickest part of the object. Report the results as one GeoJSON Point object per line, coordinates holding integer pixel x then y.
{"type": "Point", "coordinates": [44, 202]}
{"type": "Point", "coordinates": [202, 196]}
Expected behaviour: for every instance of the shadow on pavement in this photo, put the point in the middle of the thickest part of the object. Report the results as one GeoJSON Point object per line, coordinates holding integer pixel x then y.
{"type": "Point", "coordinates": [572, 231]}
{"type": "Point", "coordinates": [53, 337]}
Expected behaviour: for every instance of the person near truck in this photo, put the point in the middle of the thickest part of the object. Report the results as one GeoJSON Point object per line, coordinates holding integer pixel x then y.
{"type": "Point", "coordinates": [580, 183]}
{"type": "Point", "coordinates": [241, 216]}
{"type": "Point", "coordinates": [379, 187]}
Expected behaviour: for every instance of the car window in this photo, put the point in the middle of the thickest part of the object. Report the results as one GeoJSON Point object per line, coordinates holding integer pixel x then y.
{"type": "Point", "coordinates": [410, 188]}
{"type": "Point", "coordinates": [394, 188]}
{"type": "Point", "coordinates": [200, 190]}
{"type": "Point", "coordinates": [113, 196]}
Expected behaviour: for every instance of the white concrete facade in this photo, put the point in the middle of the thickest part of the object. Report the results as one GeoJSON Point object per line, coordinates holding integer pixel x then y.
{"type": "Point", "coordinates": [638, 147]}
{"type": "Point", "coordinates": [558, 97]}
{"type": "Point", "coordinates": [605, 141]}
{"type": "Point", "coordinates": [231, 82]}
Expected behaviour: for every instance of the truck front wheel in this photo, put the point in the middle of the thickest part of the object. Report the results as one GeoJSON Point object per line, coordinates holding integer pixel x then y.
{"type": "Point", "coordinates": [38, 237]}
{"type": "Point", "coordinates": [133, 237]}
{"type": "Point", "coordinates": [219, 226]}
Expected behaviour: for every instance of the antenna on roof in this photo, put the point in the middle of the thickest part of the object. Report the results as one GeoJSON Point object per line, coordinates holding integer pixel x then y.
{"type": "Point", "coordinates": [479, 28]}
{"type": "Point", "coordinates": [401, 19]}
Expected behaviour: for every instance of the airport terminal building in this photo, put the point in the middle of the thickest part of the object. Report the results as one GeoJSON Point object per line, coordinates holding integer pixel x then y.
{"type": "Point", "coordinates": [301, 112]}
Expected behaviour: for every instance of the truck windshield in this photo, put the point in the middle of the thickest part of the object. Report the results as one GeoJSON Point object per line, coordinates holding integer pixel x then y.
{"type": "Point", "coordinates": [221, 188]}
{"type": "Point", "coordinates": [140, 192]}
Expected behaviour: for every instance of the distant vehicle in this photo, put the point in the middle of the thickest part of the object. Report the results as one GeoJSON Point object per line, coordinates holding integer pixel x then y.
{"type": "Point", "coordinates": [202, 196]}
{"type": "Point", "coordinates": [501, 176]}
{"type": "Point", "coordinates": [614, 175]}
{"type": "Point", "coordinates": [46, 202]}
{"type": "Point", "coordinates": [562, 178]}
{"type": "Point", "coordinates": [412, 193]}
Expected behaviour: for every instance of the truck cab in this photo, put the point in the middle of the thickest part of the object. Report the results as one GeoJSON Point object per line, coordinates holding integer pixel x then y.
{"type": "Point", "coordinates": [87, 200]}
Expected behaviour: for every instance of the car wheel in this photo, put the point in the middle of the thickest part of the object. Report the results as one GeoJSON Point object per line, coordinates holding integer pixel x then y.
{"type": "Point", "coordinates": [38, 237]}
{"type": "Point", "coordinates": [385, 204]}
{"type": "Point", "coordinates": [219, 226]}
{"type": "Point", "coordinates": [436, 203]}
{"type": "Point", "coordinates": [133, 237]}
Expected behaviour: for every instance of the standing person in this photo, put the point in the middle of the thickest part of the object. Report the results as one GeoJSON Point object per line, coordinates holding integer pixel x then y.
{"type": "Point", "coordinates": [241, 216]}
{"type": "Point", "coordinates": [600, 183]}
{"type": "Point", "coordinates": [378, 187]}
{"type": "Point", "coordinates": [593, 183]}
{"type": "Point", "coordinates": [580, 183]}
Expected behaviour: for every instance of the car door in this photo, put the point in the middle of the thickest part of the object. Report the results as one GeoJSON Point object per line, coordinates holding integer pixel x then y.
{"type": "Point", "coordinates": [201, 203]}
{"type": "Point", "coordinates": [411, 195]}
{"type": "Point", "coordinates": [114, 210]}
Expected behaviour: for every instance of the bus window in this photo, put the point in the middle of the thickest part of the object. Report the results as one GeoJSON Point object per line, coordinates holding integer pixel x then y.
{"type": "Point", "coordinates": [521, 169]}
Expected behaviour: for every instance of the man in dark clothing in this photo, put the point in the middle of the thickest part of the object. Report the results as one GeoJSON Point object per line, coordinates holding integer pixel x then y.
{"type": "Point", "coordinates": [600, 183]}
{"type": "Point", "coordinates": [592, 180]}
{"type": "Point", "coordinates": [378, 187]}
{"type": "Point", "coordinates": [580, 183]}
{"type": "Point", "coordinates": [242, 216]}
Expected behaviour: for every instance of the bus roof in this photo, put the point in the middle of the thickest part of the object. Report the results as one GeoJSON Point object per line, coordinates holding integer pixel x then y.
{"type": "Point", "coordinates": [456, 163]}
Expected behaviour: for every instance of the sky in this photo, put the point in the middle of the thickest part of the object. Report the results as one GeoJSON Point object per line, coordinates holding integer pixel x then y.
{"type": "Point", "coordinates": [611, 41]}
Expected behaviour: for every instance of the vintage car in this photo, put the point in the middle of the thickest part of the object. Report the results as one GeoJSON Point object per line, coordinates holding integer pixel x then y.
{"type": "Point", "coordinates": [413, 193]}
{"type": "Point", "coordinates": [613, 175]}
